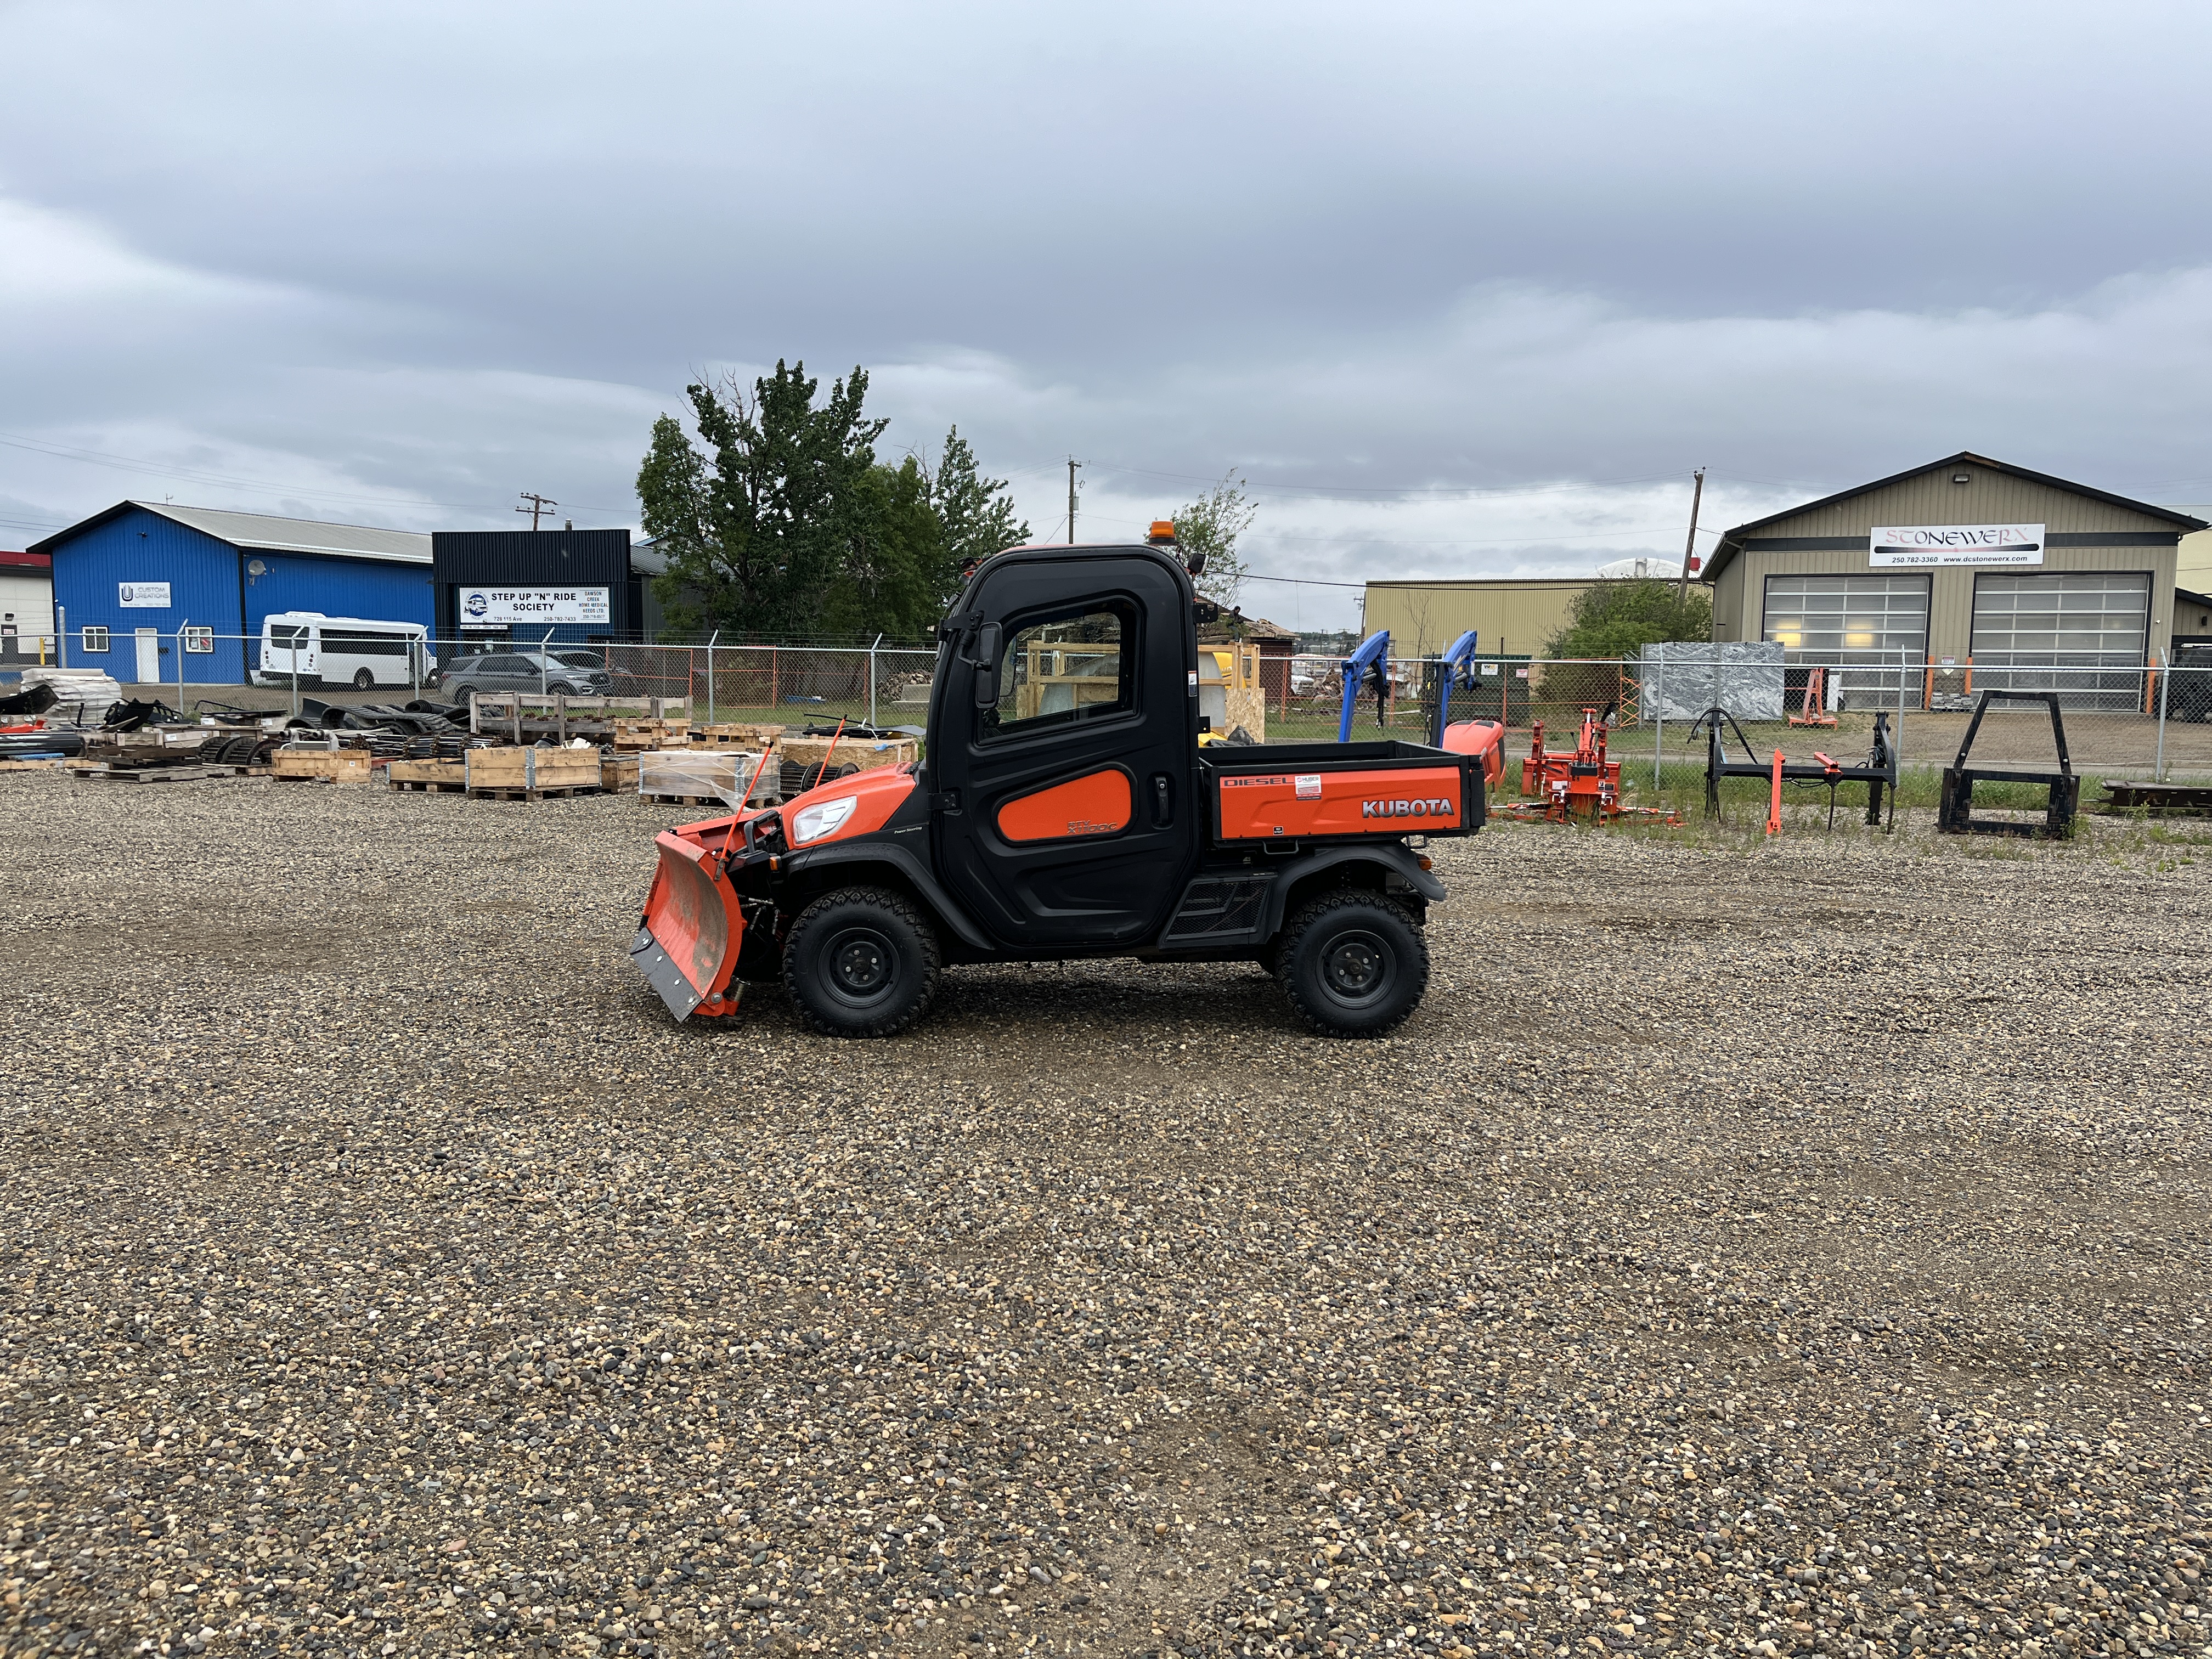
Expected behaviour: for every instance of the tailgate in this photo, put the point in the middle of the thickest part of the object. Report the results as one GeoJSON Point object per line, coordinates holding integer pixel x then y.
{"type": "Point", "coordinates": [1336, 792]}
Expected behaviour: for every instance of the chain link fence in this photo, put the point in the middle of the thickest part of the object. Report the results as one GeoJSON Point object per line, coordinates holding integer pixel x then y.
{"type": "Point", "coordinates": [2151, 722]}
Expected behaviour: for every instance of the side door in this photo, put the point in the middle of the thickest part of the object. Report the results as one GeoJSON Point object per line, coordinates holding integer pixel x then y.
{"type": "Point", "coordinates": [1063, 768]}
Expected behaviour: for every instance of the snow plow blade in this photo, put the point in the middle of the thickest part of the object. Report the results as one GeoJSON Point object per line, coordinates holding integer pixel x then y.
{"type": "Point", "coordinates": [687, 946]}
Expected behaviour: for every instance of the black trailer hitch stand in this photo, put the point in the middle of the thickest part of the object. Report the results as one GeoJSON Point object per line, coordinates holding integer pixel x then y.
{"type": "Point", "coordinates": [1954, 813]}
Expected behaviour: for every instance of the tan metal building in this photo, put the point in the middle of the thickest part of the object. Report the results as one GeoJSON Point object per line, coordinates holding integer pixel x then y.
{"type": "Point", "coordinates": [1510, 615]}
{"type": "Point", "coordinates": [1977, 560]}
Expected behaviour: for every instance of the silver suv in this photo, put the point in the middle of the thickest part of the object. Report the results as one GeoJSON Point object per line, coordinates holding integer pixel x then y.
{"type": "Point", "coordinates": [557, 673]}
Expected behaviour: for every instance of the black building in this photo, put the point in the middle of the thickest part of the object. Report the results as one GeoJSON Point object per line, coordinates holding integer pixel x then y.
{"type": "Point", "coordinates": [578, 586]}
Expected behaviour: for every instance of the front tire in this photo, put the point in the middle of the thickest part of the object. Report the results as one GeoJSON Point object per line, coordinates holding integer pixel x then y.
{"type": "Point", "coordinates": [861, 961]}
{"type": "Point", "coordinates": [1353, 965]}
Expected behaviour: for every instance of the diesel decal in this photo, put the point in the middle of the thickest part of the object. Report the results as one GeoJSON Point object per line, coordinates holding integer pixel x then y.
{"type": "Point", "coordinates": [1408, 809]}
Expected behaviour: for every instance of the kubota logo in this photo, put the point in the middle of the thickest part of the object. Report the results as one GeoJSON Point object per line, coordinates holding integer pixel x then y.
{"type": "Point", "coordinates": [1408, 809]}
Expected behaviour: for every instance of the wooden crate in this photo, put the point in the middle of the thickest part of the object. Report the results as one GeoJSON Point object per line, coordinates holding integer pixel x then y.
{"type": "Point", "coordinates": [866, 753]}
{"type": "Point", "coordinates": [432, 777]}
{"type": "Point", "coordinates": [323, 765]}
{"type": "Point", "coordinates": [619, 773]}
{"type": "Point", "coordinates": [532, 772]}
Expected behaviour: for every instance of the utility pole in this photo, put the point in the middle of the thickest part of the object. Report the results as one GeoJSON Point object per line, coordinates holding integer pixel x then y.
{"type": "Point", "coordinates": [1072, 465]}
{"type": "Point", "coordinates": [1690, 547]}
{"type": "Point", "coordinates": [540, 505]}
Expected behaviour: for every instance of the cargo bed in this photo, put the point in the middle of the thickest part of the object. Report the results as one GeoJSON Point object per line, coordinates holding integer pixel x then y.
{"type": "Point", "coordinates": [1287, 792]}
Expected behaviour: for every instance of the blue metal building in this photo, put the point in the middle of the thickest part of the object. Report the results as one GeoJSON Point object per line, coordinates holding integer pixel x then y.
{"type": "Point", "coordinates": [127, 581]}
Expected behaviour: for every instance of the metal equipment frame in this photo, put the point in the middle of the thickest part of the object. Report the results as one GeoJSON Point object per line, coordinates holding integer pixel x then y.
{"type": "Point", "coordinates": [1955, 811]}
{"type": "Point", "coordinates": [1877, 774]}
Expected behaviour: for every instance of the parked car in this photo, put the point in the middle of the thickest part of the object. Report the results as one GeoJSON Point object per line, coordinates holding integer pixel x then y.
{"type": "Point", "coordinates": [2188, 695]}
{"type": "Point", "coordinates": [560, 672]}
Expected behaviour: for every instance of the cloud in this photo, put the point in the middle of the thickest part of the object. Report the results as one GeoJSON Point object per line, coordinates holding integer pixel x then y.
{"type": "Point", "coordinates": [403, 262]}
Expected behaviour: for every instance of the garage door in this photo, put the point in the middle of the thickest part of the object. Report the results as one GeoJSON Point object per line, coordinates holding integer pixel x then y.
{"type": "Point", "coordinates": [1848, 618]}
{"type": "Point", "coordinates": [2079, 632]}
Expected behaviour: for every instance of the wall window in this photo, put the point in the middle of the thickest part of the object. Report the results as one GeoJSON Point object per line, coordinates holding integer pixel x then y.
{"type": "Point", "coordinates": [1065, 669]}
{"type": "Point", "coordinates": [1844, 618]}
{"type": "Point", "coordinates": [199, 641]}
{"type": "Point", "coordinates": [96, 639]}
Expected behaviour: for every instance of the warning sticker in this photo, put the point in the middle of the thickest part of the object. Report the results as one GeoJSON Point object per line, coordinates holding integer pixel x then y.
{"type": "Point", "coordinates": [1309, 785]}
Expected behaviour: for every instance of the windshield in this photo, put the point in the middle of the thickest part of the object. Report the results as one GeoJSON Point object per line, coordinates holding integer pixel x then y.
{"type": "Point", "coordinates": [577, 659]}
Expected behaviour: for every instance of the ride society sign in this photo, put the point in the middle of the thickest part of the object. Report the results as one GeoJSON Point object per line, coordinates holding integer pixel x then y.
{"type": "Point", "coordinates": [494, 607]}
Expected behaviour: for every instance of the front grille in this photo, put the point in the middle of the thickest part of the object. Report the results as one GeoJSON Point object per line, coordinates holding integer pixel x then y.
{"type": "Point", "coordinates": [1217, 909]}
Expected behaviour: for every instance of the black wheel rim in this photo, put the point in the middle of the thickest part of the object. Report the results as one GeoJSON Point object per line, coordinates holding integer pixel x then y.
{"type": "Point", "coordinates": [1357, 967]}
{"type": "Point", "coordinates": [861, 966]}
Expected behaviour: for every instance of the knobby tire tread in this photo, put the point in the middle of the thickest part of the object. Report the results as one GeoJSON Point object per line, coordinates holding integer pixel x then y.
{"type": "Point", "coordinates": [821, 913]}
{"type": "Point", "coordinates": [1320, 911]}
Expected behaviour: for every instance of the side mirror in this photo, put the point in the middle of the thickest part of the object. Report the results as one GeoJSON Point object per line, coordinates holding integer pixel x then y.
{"type": "Point", "coordinates": [988, 639]}
{"type": "Point", "coordinates": [1194, 562]}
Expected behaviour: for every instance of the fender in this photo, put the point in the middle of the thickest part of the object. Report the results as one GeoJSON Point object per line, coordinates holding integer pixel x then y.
{"type": "Point", "coordinates": [899, 858]}
{"type": "Point", "coordinates": [1396, 856]}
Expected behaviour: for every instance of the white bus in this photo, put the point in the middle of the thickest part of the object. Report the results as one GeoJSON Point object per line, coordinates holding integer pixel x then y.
{"type": "Point", "coordinates": [320, 650]}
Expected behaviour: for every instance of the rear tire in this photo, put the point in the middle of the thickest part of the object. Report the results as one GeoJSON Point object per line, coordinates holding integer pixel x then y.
{"type": "Point", "coordinates": [363, 680]}
{"type": "Point", "coordinates": [861, 961]}
{"type": "Point", "coordinates": [1352, 964]}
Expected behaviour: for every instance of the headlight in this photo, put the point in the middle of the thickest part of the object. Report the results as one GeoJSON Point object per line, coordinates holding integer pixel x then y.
{"type": "Point", "coordinates": [819, 820]}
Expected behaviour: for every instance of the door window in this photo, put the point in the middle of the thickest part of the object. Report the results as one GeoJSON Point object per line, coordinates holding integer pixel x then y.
{"type": "Point", "coordinates": [1065, 670]}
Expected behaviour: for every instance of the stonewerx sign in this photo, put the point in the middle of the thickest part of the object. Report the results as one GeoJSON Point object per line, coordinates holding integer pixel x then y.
{"type": "Point", "coordinates": [1955, 544]}
{"type": "Point", "coordinates": [497, 607]}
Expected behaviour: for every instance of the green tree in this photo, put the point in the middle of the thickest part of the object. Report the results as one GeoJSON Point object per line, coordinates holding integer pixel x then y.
{"type": "Point", "coordinates": [975, 514]}
{"type": "Point", "coordinates": [890, 576]}
{"type": "Point", "coordinates": [760, 524]}
{"type": "Point", "coordinates": [1619, 615]}
{"type": "Point", "coordinates": [1211, 525]}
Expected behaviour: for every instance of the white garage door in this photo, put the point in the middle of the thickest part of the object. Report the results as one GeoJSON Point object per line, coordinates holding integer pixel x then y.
{"type": "Point", "coordinates": [1848, 618]}
{"type": "Point", "coordinates": [2080, 632]}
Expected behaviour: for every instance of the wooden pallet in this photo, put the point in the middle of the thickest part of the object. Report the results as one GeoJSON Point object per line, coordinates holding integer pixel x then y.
{"type": "Point", "coordinates": [561, 793]}
{"type": "Point", "coordinates": [715, 801]}
{"type": "Point", "coordinates": [30, 765]}
{"type": "Point", "coordinates": [431, 786]}
{"type": "Point", "coordinates": [103, 772]}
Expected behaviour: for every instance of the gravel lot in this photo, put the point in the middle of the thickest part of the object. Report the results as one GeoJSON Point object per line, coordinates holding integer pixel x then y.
{"type": "Point", "coordinates": [1782, 1250]}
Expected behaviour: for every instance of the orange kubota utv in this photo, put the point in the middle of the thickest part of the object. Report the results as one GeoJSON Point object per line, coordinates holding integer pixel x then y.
{"type": "Point", "coordinates": [1064, 807]}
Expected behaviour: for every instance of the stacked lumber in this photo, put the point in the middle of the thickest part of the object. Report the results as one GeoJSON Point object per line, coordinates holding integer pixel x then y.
{"type": "Point", "coordinates": [635, 735]}
{"type": "Point", "coordinates": [738, 734]}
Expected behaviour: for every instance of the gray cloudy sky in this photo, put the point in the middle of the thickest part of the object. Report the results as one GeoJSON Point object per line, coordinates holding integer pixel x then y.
{"type": "Point", "coordinates": [1460, 289]}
